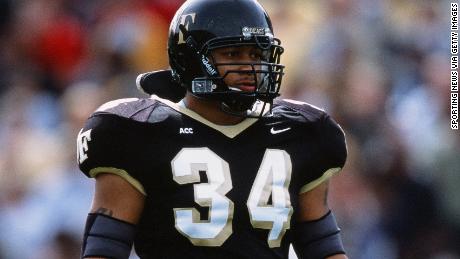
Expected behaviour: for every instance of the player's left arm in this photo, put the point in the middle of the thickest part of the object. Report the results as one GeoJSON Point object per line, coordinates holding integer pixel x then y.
{"type": "Point", "coordinates": [316, 234]}
{"type": "Point", "coordinates": [315, 231]}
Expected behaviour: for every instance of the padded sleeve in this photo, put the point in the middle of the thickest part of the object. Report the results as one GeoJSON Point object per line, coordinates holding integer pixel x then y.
{"type": "Point", "coordinates": [333, 143]}
{"type": "Point", "coordinates": [107, 145]}
{"type": "Point", "coordinates": [331, 155]}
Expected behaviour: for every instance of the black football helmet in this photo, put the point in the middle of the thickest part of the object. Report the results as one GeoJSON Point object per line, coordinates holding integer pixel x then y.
{"type": "Point", "coordinates": [201, 26]}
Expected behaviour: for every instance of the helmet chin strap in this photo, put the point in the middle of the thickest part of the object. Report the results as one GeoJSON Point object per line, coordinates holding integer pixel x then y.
{"type": "Point", "coordinates": [236, 107]}
{"type": "Point", "coordinates": [256, 109]}
{"type": "Point", "coordinates": [231, 102]}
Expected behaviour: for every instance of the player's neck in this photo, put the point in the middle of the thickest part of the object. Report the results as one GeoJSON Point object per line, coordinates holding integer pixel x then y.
{"type": "Point", "coordinates": [210, 110]}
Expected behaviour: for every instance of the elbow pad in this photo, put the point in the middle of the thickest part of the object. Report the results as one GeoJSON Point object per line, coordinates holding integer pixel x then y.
{"type": "Point", "coordinates": [106, 236]}
{"type": "Point", "coordinates": [317, 239]}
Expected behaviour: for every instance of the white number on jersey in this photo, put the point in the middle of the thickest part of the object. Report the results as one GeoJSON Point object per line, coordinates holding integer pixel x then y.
{"type": "Point", "coordinates": [186, 167]}
{"type": "Point", "coordinates": [273, 179]}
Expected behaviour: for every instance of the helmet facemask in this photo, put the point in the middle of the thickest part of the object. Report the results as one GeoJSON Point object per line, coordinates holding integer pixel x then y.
{"type": "Point", "coordinates": [265, 76]}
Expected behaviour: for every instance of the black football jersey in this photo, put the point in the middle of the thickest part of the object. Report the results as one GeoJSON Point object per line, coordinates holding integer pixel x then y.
{"type": "Point", "coordinates": [213, 191]}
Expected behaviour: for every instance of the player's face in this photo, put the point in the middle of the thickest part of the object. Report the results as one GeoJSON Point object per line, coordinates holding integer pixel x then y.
{"type": "Point", "coordinates": [241, 76]}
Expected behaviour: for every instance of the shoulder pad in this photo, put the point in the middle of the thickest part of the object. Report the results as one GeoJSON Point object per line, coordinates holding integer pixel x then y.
{"type": "Point", "coordinates": [298, 111]}
{"type": "Point", "coordinates": [329, 150]}
{"type": "Point", "coordinates": [131, 108]}
{"type": "Point", "coordinates": [111, 144]}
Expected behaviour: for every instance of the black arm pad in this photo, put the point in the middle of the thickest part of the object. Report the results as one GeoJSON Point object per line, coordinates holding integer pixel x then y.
{"type": "Point", "coordinates": [317, 239]}
{"type": "Point", "coordinates": [106, 236]}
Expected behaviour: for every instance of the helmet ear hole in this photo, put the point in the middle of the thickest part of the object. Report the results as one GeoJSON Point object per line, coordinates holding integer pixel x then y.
{"type": "Point", "coordinates": [181, 62]}
{"type": "Point", "coordinates": [184, 63]}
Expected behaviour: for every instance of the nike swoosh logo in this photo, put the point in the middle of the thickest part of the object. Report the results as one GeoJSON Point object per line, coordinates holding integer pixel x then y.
{"type": "Point", "coordinates": [273, 131]}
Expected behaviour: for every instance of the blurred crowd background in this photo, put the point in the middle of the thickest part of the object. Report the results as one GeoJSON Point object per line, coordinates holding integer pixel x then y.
{"type": "Point", "coordinates": [380, 67]}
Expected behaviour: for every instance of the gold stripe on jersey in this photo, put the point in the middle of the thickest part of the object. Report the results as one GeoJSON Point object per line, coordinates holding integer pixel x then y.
{"type": "Point", "coordinates": [120, 172]}
{"type": "Point", "coordinates": [326, 175]}
{"type": "Point", "coordinates": [230, 131]}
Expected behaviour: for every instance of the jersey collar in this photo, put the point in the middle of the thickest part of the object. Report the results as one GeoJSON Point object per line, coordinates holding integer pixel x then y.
{"type": "Point", "coordinates": [230, 131]}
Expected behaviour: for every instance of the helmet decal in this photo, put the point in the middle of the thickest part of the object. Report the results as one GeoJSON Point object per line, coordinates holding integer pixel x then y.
{"type": "Point", "coordinates": [249, 32]}
{"type": "Point", "coordinates": [209, 68]}
{"type": "Point", "coordinates": [185, 20]}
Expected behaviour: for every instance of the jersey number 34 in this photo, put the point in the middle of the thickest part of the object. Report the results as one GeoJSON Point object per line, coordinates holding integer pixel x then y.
{"type": "Point", "coordinates": [273, 178]}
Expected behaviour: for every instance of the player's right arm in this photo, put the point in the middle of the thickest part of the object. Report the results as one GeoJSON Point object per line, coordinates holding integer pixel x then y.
{"type": "Point", "coordinates": [108, 150]}
{"type": "Point", "coordinates": [121, 205]}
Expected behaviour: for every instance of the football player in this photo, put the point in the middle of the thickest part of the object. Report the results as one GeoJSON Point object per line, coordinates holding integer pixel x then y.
{"type": "Point", "coordinates": [227, 171]}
